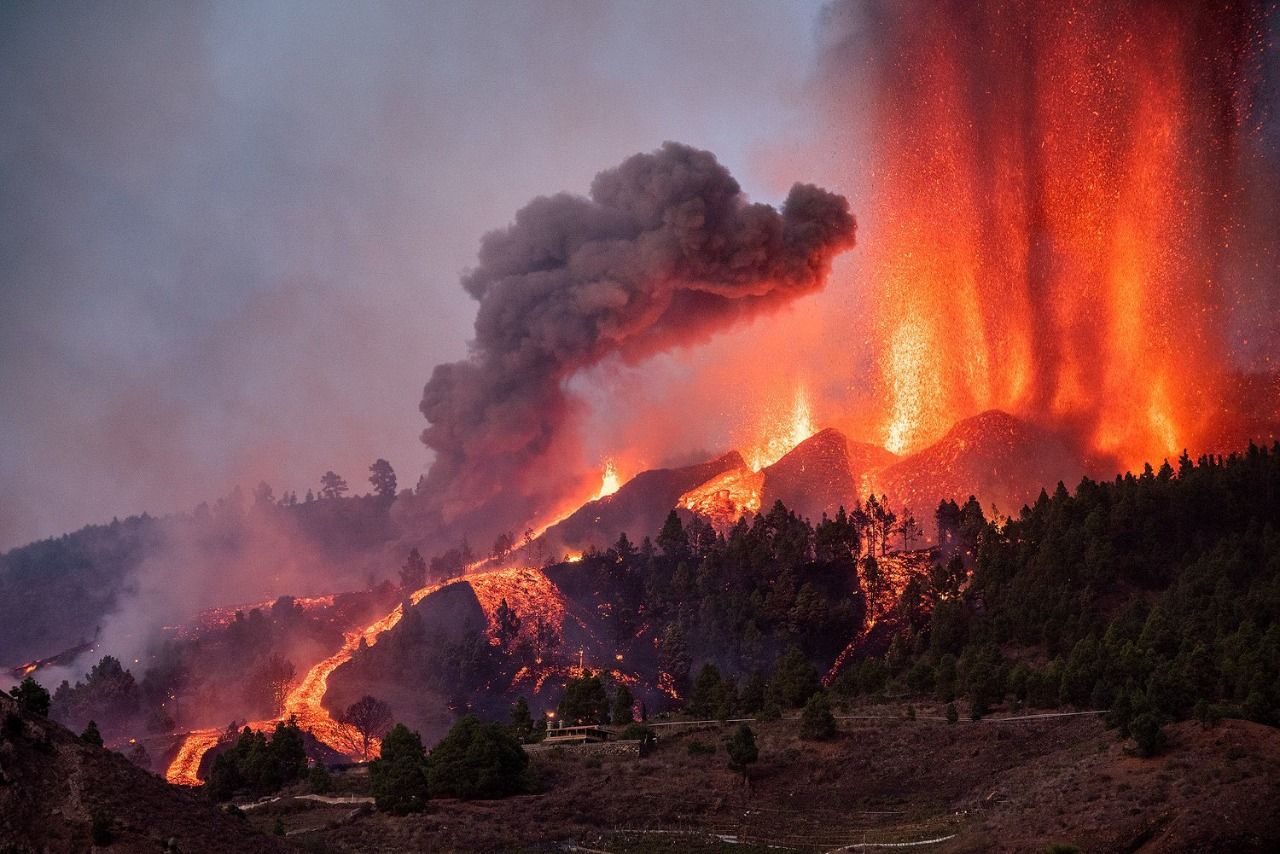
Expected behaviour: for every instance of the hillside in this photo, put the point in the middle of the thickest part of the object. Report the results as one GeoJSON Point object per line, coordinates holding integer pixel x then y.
{"type": "Point", "coordinates": [987, 786]}
{"type": "Point", "coordinates": [57, 593]}
{"type": "Point", "coordinates": [53, 785]}
{"type": "Point", "coordinates": [639, 506]}
{"type": "Point", "coordinates": [1001, 459]}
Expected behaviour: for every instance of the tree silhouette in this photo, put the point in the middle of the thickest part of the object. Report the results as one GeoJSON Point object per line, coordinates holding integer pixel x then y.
{"type": "Point", "coordinates": [742, 749]}
{"type": "Point", "coordinates": [32, 697]}
{"type": "Point", "coordinates": [364, 721]}
{"type": "Point", "coordinates": [91, 734]}
{"type": "Point", "coordinates": [332, 485]}
{"type": "Point", "coordinates": [413, 575]}
{"type": "Point", "coordinates": [383, 478]}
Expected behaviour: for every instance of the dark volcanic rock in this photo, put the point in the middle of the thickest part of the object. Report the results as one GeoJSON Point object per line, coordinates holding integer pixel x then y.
{"type": "Point", "coordinates": [638, 508]}
{"type": "Point", "coordinates": [999, 458]}
{"type": "Point", "coordinates": [813, 478]}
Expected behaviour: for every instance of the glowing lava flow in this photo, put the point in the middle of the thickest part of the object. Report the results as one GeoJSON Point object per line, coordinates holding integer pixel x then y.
{"type": "Point", "coordinates": [184, 770]}
{"type": "Point", "coordinates": [726, 498]}
{"type": "Point", "coordinates": [528, 592]}
{"type": "Point", "coordinates": [304, 701]}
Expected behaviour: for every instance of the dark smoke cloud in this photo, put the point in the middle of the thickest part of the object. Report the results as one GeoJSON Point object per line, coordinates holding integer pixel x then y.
{"type": "Point", "coordinates": [664, 252]}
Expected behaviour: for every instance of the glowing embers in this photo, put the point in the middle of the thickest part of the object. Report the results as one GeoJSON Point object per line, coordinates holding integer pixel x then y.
{"type": "Point", "coordinates": [1054, 202]}
{"type": "Point", "coordinates": [914, 383]}
{"type": "Point", "coordinates": [535, 609]}
{"type": "Point", "coordinates": [781, 431]}
{"type": "Point", "coordinates": [726, 498]}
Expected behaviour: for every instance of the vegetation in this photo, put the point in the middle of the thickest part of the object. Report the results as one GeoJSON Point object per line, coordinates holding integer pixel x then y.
{"type": "Point", "coordinates": [1154, 595]}
{"type": "Point", "coordinates": [816, 721]}
{"type": "Point", "coordinates": [477, 760]}
{"type": "Point", "coordinates": [363, 722]}
{"type": "Point", "coordinates": [32, 697]}
{"type": "Point", "coordinates": [91, 734]}
{"type": "Point", "coordinates": [413, 575]}
{"type": "Point", "coordinates": [399, 776]}
{"type": "Point", "coordinates": [585, 701]}
{"type": "Point", "coordinates": [742, 749]}
{"type": "Point", "coordinates": [108, 694]}
{"type": "Point", "coordinates": [383, 479]}
{"type": "Point", "coordinates": [258, 765]}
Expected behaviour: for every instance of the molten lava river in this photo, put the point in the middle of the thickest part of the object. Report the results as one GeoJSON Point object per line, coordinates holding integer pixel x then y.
{"type": "Point", "coordinates": [528, 590]}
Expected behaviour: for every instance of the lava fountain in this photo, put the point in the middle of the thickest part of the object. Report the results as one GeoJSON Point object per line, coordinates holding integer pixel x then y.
{"type": "Point", "coordinates": [1054, 197]}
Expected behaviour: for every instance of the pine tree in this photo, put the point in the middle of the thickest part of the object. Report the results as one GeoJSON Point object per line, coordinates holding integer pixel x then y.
{"type": "Point", "coordinates": [816, 721]}
{"type": "Point", "coordinates": [521, 720]}
{"type": "Point", "coordinates": [32, 697]}
{"type": "Point", "coordinates": [398, 777]}
{"type": "Point", "coordinates": [91, 734]}
{"type": "Point", "coordinates": [742, 749]}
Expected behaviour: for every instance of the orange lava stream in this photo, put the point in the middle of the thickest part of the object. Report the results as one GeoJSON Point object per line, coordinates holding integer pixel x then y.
{"type": "Point", "coordinates": [304, 701]}
{"type": "Point", "coordinates": [526, 591]}
{"type": "Point", "coordinates": [726, 497]}
{"type": "Point", "coordinates": [185, 767]}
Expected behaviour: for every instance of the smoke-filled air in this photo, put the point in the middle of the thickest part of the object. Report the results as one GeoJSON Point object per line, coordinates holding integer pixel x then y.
{"type": "Point", "coordinates": [664, 252]}
{"type": "Point", "coordinates": [699, 425]}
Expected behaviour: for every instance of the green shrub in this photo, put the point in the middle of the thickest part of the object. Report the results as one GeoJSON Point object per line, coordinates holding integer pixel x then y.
{"type": "Point", "coordinates": [637, 732]}
{"type": "Point", "coordinates": [1148, 734]}
{"type": "Point", "coordinates": [697, 747]}
{"type": "Point", "coordinates": [477, 760]}
{"type": "Point", "coordinates": [742, 749]}
{"type": "Point", "coordinates": [816, 721]}
{"type": "Point", "coordinates": [320, 780]}
{"type": "Point", "coordinates": [32, 697]}
{"type": "Point", "coordinates": [399, 776]}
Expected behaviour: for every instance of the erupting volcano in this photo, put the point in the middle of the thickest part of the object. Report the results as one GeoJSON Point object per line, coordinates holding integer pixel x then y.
{"type": "Point", "coordinates": [1060, 200]}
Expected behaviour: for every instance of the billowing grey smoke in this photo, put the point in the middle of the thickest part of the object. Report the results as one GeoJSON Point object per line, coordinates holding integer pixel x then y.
{"type": "Point", "coordinates": [664, 252]}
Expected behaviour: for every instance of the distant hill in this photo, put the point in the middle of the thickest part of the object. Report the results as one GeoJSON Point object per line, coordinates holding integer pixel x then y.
{"type": "Point", "coordinates": [56, 593]}
{"type": "Point", "coordinates": [815, 477]}
{"type": "Point", "coordinates": [54, 785]}
{"type": "Point", "coordinates": [1001, 459]}
{"type": "Point", "coordinates": [639, 506]}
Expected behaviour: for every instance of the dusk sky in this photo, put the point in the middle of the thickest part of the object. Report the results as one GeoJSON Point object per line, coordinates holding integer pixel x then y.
{"type": "Point", "coordinates": [231, 234]}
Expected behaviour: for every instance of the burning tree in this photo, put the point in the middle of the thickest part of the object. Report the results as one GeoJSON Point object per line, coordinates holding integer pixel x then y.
{"type": "Point", "coordinates": [364, 722]}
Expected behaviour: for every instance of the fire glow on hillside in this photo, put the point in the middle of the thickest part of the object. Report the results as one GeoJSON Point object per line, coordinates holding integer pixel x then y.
{"type": "Point", "coordinates": [1059, 188]}
{"type": "Point", "coordinates": [1055, 190]}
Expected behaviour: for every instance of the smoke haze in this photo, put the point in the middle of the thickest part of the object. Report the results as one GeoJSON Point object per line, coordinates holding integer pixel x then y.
{"type": "Point", "coordinates": [231, 233]}
{"type": "Point", "coordinates": [663, 253]}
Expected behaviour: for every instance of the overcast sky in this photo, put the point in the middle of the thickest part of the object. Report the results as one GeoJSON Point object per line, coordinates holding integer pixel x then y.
{"type": "Point", "coordinates": [231, 233]}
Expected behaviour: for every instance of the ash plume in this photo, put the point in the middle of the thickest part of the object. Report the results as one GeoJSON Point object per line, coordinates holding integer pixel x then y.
{"type": "Point", "coordinates": [664, 252]}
